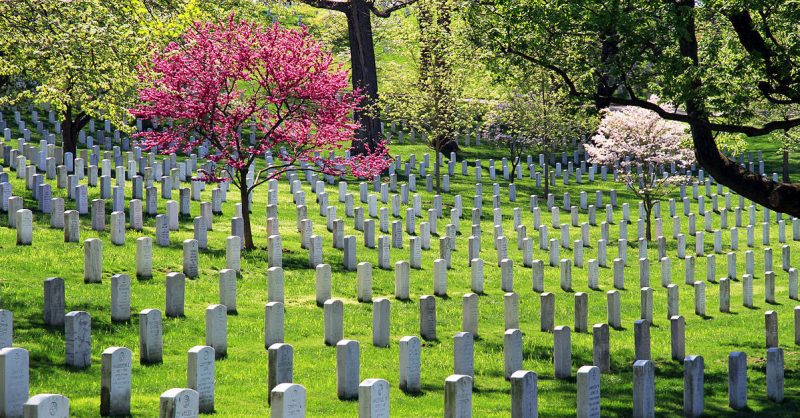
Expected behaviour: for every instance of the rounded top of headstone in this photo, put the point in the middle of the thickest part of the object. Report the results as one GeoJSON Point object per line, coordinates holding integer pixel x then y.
{"type": "Point", "coordinates": [458, 378]}
{"type": "Point", "coordinates": [521, 374]}
{"type": "Point", "coordinates": [118, 351]}
{"type": "Point", "coordinates": [347, 343]}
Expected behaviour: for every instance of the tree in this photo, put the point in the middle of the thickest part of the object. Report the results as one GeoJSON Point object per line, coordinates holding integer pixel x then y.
{"type": "Point", "coordinates": [80, 57]}
{"type": "Point", "coordinates": [362, 60]}
{"type": "Point", "coordinates": [221, 77]}
{"type": "Point", "coordinates": [716, 64]}
{"type": "Point", "coordinates": [541, 119]}
{"type": "Point", "coordinates": [431, 104]}
{"type": "Point", "coordinates": [645, 148]}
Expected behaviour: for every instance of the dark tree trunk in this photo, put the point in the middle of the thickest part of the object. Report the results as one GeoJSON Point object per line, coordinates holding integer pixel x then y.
{"type": "Point", "coordinates": [609, 46]}
{"type": "Point", "coordinates": [244, 197]}
{"type": "Point", "coordinates": [546, 170]}
{"type": "Point", "coordinates": [786, 166]}
{"type": "Point", "coordinates": [365, 76]}
{"type": "Point", "coordinates": [436, 174]}
{"type": "Point", "coordinates": [70, 128]}
{"type": "Point", "coordinates": [780, 197]}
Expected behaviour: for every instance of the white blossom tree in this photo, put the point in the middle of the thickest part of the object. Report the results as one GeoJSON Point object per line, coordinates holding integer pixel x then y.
{"type": "Point", "coordinates": [645, 148]}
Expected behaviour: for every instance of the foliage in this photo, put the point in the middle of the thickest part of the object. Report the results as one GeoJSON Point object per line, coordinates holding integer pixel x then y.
{"type": "Point", "coordinates": [525, 123]}
{"type": "Point", "coordinates": [80, 56]}
{"type": "Point", "coordinates": [645, 148]}
{"type": "Point", "coordinates": [718, 65]}
{"type": "Point", "coordinates": [538, 117]}
{"type": "Point", "coordinates": [222, 77]}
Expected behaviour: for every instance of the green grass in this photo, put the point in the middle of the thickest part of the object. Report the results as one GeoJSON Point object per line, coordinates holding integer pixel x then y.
{"type": "Point", "coordinates": [241, 379]}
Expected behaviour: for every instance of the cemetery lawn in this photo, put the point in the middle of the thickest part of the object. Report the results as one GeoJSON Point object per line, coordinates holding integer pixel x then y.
{"type": "Point", "coordinates": [241, 378]}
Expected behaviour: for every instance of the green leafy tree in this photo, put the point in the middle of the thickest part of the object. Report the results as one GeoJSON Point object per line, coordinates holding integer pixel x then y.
{"type": "Point", "coordinates": [717, 65]}
{"type": "Point", "coordinates": [80, 57]}
{"type": "Point", "coordinates": [432, 104]}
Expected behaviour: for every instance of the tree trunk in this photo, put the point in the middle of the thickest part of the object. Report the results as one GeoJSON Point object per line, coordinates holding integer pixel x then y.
{"type": "Point", "coordinates": [243, 195]}
{"type": "Point", "coordinates": [436, 171]}
{"type": "Point", "coordinates": [70, 128]}
{"type": "Point", "coordinates": [364, 75]}
{"type": "Point", "coordinates": [780, 197]}
{"type": "Point", "coordinates": [513, 170]}
{"type": "Point", "coordinates": [546, 174]}
{"type": "Point", "coordinates": [786, 166]}
{"type": "Point", "coordinates": [609, 47]}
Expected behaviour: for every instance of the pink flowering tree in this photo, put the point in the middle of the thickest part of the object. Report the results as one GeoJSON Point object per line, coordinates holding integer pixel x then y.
{"type": "Point", "coordinates": [222, 77]}
{"type": "Point", "coordinates": [646, 149]}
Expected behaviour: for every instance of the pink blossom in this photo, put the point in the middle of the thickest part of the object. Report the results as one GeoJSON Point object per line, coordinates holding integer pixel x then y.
{"type": "Point", "coordinates": [221, 77]}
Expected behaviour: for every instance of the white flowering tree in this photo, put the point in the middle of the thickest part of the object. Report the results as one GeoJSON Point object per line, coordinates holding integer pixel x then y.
{"type": "Point", "coordinates": [644, 147]}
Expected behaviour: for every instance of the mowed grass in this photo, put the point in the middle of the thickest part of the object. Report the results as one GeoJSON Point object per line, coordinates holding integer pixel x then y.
{"type": "Point", "coordinates": [241, 379]}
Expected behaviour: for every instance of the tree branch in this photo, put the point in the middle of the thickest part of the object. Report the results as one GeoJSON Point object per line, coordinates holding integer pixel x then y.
{"type": "Point", "coordinates": [388, 11]}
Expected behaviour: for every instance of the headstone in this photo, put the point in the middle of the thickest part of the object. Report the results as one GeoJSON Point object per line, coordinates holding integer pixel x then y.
{"type": "Point", "coordinates": [217, 329]}
{"type": "Point", "coordinates": [14, 380]}
{"type": "Point", "coordinates": [693, 380]}
{"type": "Point", "coordinates": [643, 389]}
{"type": "Point", "coordinates": [737, 380]}
{"type": "Point", "coordinates": [54, 302]}
{"type": "Point", "coordinates": [334, 331]}
{"type": "Point", "coordinates": [78, 339]}
{"type": "Point", "coordinates": [775, 374]}
{"type": "Point", "coordinates": [641, 337]}
{"type": "Point", "coordinates": [562, 352]}
{"type": "Point", "coordinates": [380, 322]}
{"type": "Point", "coordinates": [275, 284]}
{"type": "Point", "coordinates": [613, 309]}
{"type": "Point", "coordinates": [288, 401]}
{"type": "Point", "coordinates": [347, 369]}
{"type": "Point", "coordinates": [24, 225]}
{"type": "Point", "coordinates": [771, 328]}
{"type": "Point", "coordinates": [144, 258]}
{"type": "Point", "coordinates": [115, 386]}
{"type": "Point", "coordinates": [120, 298]}
{"type": "Point", "coordinates": [200, 376]}
{"type": "Point", "coordinates": [274, 323]}
{"type": "Point", "coordinates": [464, 354]}
{"type": "Point", "coordinates": [191, 268]}
{"type": "Point", "coordinates": [458, 396]}
{"type": "Point", "coordinates": [373, 398]}
{"type": "Point", "coordinates": [512, 352]}
{"type": "Point", "coordinates": [588, 382]}
{"type": "Point", "coordinates": [176, 285]}
{"type": "Point", "coordinates": [427, 317]}
{"type": "Point", "coordinates": [547, 303]}
{"type": "Point", "coordinates": [150, 336]}
{"type": "Point", "coordinates": [179, 403]}
{"type": "Point", "coordinates": [280, 365]}
{"type": "Point", "coordinates": [46, 405]}
{"type": "Point", "coordinates": [364, 282]}
{"type": "Point", "coordinates": [92, 260]}
{"type": "Point", "coordinates": [601, 351]}
{"type": "Point", "coordinates": [409, 364]}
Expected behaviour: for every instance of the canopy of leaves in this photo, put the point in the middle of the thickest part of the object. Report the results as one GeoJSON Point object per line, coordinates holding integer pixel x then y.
{"type": "Point", "coordinates": [82, 55]}
{"type": "Point", "coordinates": [629, 49]}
